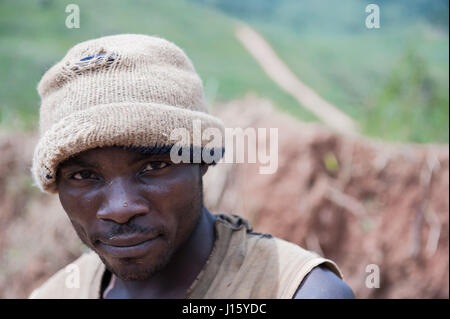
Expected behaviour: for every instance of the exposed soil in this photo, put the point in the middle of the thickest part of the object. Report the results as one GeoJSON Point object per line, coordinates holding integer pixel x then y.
{"type": "Point", "coordinates": [351, 199]}
{"type": "Point", "coordinates": [372, 203]}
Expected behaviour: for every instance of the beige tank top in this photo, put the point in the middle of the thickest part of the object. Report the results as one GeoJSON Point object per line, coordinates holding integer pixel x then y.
{"type": "Point", "coordinates": [243, 264]}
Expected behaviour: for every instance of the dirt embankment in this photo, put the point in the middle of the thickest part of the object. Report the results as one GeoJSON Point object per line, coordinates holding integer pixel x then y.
{"type": "Point", "coordinates": [355, 200]}
{"type": "Point", "coordinates": [36, 237]}
{"type": "Point", "coordinates": [351, 199]}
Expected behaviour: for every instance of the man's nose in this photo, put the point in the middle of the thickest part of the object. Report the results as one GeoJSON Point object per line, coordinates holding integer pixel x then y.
{"type": "Point", "coordinates": [121, 203]}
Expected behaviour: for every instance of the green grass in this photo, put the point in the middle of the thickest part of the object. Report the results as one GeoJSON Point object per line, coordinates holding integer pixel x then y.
{"type": "Point", "coordinates": [393, 81]}
{"type": "Point", "coordinates": [33, 37]}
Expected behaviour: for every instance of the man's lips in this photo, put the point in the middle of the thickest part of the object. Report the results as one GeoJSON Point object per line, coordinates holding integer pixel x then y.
{"type": "Point", "coordinates": [127, 240]}
{"type": "Point", "coordinates": [128, 246]}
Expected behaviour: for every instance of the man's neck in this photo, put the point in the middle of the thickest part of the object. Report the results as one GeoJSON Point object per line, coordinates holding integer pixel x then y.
{"type": "Point", "coordinates": [176, 278]}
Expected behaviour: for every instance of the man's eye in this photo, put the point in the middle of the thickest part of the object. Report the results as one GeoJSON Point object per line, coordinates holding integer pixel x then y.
{"type": "Point", "coordinates": [151, 166]}
{"type": "Point", "coordinates": [82, 175]}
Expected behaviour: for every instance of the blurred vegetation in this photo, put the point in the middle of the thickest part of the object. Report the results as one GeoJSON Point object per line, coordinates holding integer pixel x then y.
{"type": "Point", "coordinates": [393, 80]}
{"type": "Point", "coordinates": [33, 37]}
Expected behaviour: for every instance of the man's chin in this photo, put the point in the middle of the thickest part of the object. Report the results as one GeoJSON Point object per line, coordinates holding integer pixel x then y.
{"type": "Point", "coordinates": [134, 274]}
{"type": "Point", "coordinates": [135, 269]}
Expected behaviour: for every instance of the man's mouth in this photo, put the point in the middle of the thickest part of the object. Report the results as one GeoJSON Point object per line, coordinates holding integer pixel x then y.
{"type": "Point", "coordinates": [128, 246]}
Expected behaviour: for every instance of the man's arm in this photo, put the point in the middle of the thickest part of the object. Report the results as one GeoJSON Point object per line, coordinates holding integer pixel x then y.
{"type": "Point", "coordinates": [322, 283]}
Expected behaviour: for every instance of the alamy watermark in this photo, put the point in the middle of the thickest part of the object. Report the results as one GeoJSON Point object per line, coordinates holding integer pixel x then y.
{"type": "Point", "coordinates": [73, 19]}
{"type": "Point", "coordinates": [73, 276]}
{"type": "Point", "coordinates": [373, 279]}
{"type": "Point", "coordinates": [262, 146]}
{"type": "Point", "coordinates": [372, 20]}
{"type": "Point", "coordinates": [373, 17]}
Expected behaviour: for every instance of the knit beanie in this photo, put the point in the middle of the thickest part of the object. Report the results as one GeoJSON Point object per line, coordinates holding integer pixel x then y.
{"type": "Point", "coordinates": [125, 90]}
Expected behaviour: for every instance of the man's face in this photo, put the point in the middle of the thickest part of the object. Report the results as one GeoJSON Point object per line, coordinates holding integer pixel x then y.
{"type": "Point", "coordinates": [134, 210]}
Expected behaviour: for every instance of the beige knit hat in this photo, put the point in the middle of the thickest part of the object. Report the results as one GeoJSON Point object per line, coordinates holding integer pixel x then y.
{"type": "Point", "coordinates": [124, 90]}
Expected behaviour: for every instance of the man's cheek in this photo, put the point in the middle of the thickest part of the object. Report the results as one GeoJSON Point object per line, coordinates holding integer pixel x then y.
{"type": "Point", "coordinates": [78, 212]}
{"type": "Point", "coordinates": [79, 203]}
{"type": "Point", "coordinates": [169, 194]}
{"type": "Point", "coordinates": [81, 232]}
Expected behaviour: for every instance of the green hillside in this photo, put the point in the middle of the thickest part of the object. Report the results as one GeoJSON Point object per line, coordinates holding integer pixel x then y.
{"type": "Point", "coordinates": [394, 85]}
{"type": "Point", "coordinates": [33, 37]}
{"type": "Point", "coordinates": [394, 81]}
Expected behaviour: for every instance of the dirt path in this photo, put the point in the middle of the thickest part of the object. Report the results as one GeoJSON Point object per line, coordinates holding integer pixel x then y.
{"type": "Point", "coordinates": [280, 73]}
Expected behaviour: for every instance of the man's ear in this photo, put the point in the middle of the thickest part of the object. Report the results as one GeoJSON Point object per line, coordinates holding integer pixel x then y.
{"type": "Point", "coordinates": [203, 169]}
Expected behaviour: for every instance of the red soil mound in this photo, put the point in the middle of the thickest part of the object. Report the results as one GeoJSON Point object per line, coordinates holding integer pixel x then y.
{"type": "Point", "coordinates": [352, 199]}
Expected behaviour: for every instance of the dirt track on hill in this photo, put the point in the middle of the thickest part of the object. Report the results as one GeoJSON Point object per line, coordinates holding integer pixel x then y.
{"type": "Point", "coordinates": [283, 76]}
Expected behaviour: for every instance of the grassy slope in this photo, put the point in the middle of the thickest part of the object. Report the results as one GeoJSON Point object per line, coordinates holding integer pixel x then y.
{"type": "Point", "coordinates": [33, 36]}
{"type": "Point", "coordinates": [394, 85]}
{"type": "Point", "coordinates": [393, 80]}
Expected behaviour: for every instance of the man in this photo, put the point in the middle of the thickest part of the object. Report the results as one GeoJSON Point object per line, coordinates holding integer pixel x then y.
{"type": "Point", "coordinates": [107, 113]}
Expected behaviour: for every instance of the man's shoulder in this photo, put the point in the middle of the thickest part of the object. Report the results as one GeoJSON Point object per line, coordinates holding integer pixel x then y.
{"type": "Point", "coordinates": [291, 253]}
{"type": "Point", "coordinates": [322, 283]}
{"type": "Point", "coordinates": [72, 281]}
{"type": "Point", "coordinates": [263, 244]}
{"type": "Point", "coordinates": [321, 277]}
{"type": "Point", "coordinates": [272, 262]}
